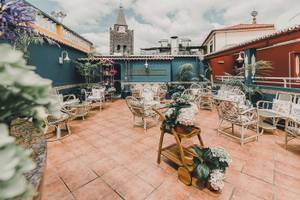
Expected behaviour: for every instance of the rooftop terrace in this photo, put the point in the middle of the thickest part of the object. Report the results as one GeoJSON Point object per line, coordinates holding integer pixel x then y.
{"type": "Point", "coordinates": [107, 158]}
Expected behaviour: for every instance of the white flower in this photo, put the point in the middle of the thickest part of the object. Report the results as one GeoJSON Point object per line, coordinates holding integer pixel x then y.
{"type": "Point", "coordinates": [216, 179]}
{"type": "Point", "coordinates": [169, 112]}
{"type": "Point", "coordinates": [187, 116]}
{"type": "Point", "coordinates": [222, 154]}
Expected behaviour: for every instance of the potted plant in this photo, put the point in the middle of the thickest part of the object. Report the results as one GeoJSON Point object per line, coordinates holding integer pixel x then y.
{"type": "Point", "coordinates": [180, 115]}
{"type": "Point", "coordinates": [171, 89]}
{"type": "Point", "coordinates": [210, 166]}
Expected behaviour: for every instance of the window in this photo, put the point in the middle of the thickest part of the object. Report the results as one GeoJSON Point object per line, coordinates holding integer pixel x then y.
{"type": "Point", "coordinates": [211, 46]}
{"type": "Point", "coordinates": [122, 29]}
{"type": "Point", "coordinates": [297, 65]}
{"type": "Point", "coordinates": [124, 48]}
{"type": "Point", "coordinates": [118, 48]}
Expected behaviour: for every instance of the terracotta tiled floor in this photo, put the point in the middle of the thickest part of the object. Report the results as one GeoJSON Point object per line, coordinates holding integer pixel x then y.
{"type": "Point", "coordinates": [107, 158]}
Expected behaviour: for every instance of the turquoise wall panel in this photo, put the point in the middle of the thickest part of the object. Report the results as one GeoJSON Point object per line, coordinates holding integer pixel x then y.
{"type": "Point", "coordinates": [178, 61]}
{"type": "Point", "coordinates": [159, 71]}
{"type": "Point", "coordinates": [45, 58]}
{"type": "Point", "coordinates": [162, 70]}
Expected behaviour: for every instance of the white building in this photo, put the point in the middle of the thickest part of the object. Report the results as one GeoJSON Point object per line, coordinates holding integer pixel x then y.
{"type": "Point", "coordinates": [229, 36]}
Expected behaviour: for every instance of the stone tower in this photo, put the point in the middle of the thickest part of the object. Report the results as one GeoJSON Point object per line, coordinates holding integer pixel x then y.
{"type": "Point", "coordinates": [121, 38]}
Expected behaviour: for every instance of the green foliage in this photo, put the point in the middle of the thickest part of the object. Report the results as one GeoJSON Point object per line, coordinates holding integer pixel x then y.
{"type": "Point", "coordinates": [14, 162]}
{"type": "Point", "coordinates": [202, 171]}
{"type": "Point", "coordinates": [24, 40]}
{"type": "Point", "coordinates": [262, 68]}
{"type": "Point", "coordinates": [186, 73]}
{"type": "Point", "coordinates": [87, 70]}
{"type": "Point", "coordinates": [24, 94]}
{"type": "Point", "coordinates": [249, 90]}
{"type": "Point", "coordinates": [209, 159]}
{"type": "Point", "coordinates": [206, 75]}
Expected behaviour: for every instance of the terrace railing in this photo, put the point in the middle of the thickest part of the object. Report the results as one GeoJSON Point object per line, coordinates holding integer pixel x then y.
{"type": "Point", "coordinates": [285, 82]}
{"type": "Point", "coordinates": [226, 78]}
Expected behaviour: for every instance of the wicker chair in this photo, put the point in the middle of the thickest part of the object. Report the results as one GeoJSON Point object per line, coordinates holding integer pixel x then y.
{"type": "Point", "coordinates": [139, 110]}
{"type": "Point", "coordinates": [190, 94]}
{"type": "Point", "coordinates": [196, 88]}
{"type": "Point", "coordinates": [292, 126]}
{"type": "Point", "coordinates": [231, 112]}
{"type": "Point", "coordinates": [280, 107]}
{"type": "Point", "coordinates": [56, 122]}
{"type": "Point", "coordinates": [97, 97]}
{"type": "Point", "coordinates": [205, 99]}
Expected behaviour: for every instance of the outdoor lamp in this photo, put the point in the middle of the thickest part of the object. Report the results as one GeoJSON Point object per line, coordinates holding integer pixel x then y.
{"type": "Point", "coordinates": [64, 57]}
{"type": "Point", "coordinates": [146, 65]}
{"type": "Point", "coordinates": [240, 59]}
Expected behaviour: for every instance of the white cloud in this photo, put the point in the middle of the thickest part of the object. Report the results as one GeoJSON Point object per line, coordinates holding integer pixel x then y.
{"type": "Point", "coordinates": [100, 40]}
{"type": "Point", "coordinates": [156, 19]}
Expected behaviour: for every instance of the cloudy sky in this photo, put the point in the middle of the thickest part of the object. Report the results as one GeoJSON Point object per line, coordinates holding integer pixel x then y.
{"type": "Point", "coordinates": [152, 20]}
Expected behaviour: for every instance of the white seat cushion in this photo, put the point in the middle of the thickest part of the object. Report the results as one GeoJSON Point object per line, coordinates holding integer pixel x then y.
{"type": "Point", "coordinates": [281, 107]}
{"type": "Point", "coordinates": [294, 130]}
{"type": "Point", "coordinates": [295, 111]}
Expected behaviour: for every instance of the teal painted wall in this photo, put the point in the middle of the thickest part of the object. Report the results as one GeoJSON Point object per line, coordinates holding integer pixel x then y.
{"type": "Point", "coordinates": [178, 61]}
{"type": "Point", "coordinates": [154, 65]}
{"type": "Point", "coordinates": [45, 58]}
{"type": "Point", "coordinates": [170, 67]}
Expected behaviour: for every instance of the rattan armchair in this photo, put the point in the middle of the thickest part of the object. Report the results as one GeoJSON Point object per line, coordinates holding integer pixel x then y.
{"type": "Point", "coordinates": [56, 123]}
{"type": "Point", "coordinates": [96, 97]}
{"type": "Point", "coordinates": [232, 113]}
{"type": "Point", "coordinates": [139, 110]}
{"type": "Point", "coordinates": [292, 130]}
{"type": "Point", "coordinates": [205, 99]}
{"type": "Point", "coordinates": [190, 93]}
{"type": "Point", "coordinates": [292, 126]}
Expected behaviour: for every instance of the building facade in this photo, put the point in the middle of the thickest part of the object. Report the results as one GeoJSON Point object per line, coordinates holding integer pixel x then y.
{"type": "Point", "coordinates": [151, 68]}
{"type": "Point", "coordinates": [121, 37]}
{"type": "Point", "coordinates": [281, 48]}
{"type": "Point", "coordinates": [230, 36]}
{"type": "Point", "coordinates": [45, 57]}
{"type": "Point", "coordinates": [174, 46]}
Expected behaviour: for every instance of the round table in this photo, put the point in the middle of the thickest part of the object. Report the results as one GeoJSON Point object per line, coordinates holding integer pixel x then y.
{"type": "Point", "coordinates": [82, 109]}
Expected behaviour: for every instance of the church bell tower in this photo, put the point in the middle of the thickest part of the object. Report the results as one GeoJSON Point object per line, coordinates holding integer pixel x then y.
{"type": "Point", "coordinates": [121, 38]}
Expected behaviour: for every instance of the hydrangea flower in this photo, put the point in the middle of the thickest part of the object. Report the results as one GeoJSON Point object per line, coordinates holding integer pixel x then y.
{"type": "Point", "coordinates": [222, 154]}
{"type": "Point", "coordinates": [216, 180]}
{"type": "Point", "coordinates": [187, 115]}
{"type": "Point", "coordinates": [169, 112]}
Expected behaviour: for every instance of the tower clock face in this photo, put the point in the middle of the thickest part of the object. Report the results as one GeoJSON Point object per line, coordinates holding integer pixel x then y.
{"type": "Point", "coordinates": [121, 29]}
